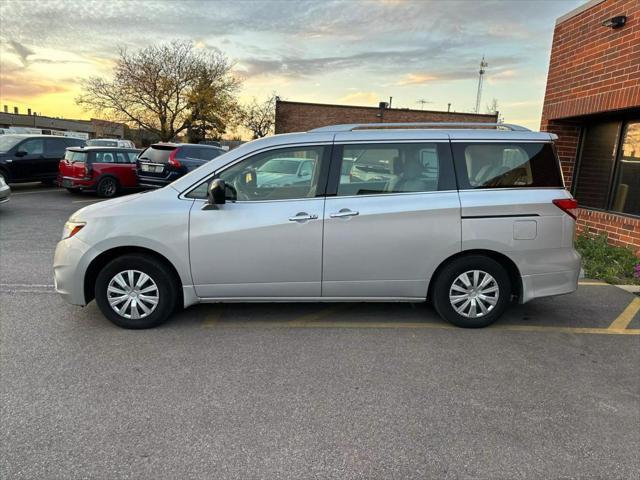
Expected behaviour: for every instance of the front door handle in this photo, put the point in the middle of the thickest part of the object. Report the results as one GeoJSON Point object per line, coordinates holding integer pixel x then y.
{"type": "Point", "coordinates": [345, 212]}
{"type": "Point", "coordinates": [302, 217]}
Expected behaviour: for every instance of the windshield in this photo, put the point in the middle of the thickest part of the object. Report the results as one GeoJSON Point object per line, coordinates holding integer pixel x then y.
{"type": "Point", "coordinates": [280, 166]}
{"type": "Point", "coordinates": [7, 142]}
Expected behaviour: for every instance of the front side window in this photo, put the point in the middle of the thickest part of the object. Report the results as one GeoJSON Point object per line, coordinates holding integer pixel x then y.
{"type": "Point", "coordinates": [34, 146]}
{"type": "Point", "coordinates": [395, 168]}
{"type": "Point", "coordinates": [288, 173]}
{"type": "Point", "coordinates": [506, 165]}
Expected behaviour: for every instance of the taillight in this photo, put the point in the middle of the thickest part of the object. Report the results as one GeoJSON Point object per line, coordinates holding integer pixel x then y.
{"type": "Point", "coordinates": [173, 161]}
{"type": "Point", "coordinates": [567, 205]}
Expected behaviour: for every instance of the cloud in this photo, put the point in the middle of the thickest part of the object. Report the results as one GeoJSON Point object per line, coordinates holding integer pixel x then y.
{"type": "Point", "coordinates": [25, 87]}
{"type": "Point", "coordinates": [22, 51]}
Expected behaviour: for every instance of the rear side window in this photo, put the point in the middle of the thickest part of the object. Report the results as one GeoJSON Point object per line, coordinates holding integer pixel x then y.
{"type": "Point", "coordinates": [506, 165]}
{"type": "Point", "coordinates": [395, 168]}
{"type": "Point", "coordinates": [104, 157]}
{"type": "Point", "coordinates": [156, 154]}
{"type": "Point", "coordinates": [56, 147]}
{"type": "Point", "coordinates": [202, 153]}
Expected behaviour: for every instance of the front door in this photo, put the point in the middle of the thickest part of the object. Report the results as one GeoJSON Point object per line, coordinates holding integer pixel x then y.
{"type": "Point", "coordinates": [31, 165]}
{"type": "Point", "coordinates": [394, 217]}
{"type": "Point", "coordinates": [267, 243]}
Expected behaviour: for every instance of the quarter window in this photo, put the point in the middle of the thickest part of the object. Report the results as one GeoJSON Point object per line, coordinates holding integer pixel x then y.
{"type": "Point", "coordinates": [395, 168]}
{"type": "Point", "coordinates": [506, 165]}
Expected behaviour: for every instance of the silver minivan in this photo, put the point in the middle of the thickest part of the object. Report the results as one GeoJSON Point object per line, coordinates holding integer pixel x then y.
{"type": "Point", "coordinates": [468, 216]}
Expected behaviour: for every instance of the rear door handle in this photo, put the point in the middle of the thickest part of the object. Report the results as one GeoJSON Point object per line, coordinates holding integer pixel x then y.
{"type": "Point", "coordinates": [345, 212]}
{"type": "Point", "coordinates": [302, 217]}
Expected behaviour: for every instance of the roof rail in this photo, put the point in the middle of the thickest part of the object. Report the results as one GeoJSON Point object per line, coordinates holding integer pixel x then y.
{"type": "Point", "coordinates": [349, 127]}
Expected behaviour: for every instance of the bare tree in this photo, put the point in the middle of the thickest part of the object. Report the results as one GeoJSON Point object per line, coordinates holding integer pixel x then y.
{"type": "Point", "coordinates": [162, 88]}
{"type": "Point", "coordinates": [259, 117]}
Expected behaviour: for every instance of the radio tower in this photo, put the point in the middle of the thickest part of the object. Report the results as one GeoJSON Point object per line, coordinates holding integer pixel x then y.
{"type": "Point", "coordinates": [483, 65]}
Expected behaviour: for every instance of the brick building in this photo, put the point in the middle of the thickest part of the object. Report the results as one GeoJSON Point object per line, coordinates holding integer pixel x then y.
{"type": "Point", "coordinates": [302, 117]}
{"type": "Point", "coordinates": [592, 102]}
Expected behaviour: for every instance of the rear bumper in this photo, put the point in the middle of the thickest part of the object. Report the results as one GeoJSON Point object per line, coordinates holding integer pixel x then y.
{"type": "Point", "coordinates": [73, 182]}
{"type": "Point", "coordinates": [553, 283]}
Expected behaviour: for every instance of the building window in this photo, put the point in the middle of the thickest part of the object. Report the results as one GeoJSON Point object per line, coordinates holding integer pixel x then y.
{"type": "Point", "coordinates": [608, 173]}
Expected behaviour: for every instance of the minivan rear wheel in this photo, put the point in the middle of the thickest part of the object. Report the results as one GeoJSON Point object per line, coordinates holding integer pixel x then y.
{"type": "Point", "coordinates": [136, 291]}
{"type": "Point", "coordinates": [472, 291]}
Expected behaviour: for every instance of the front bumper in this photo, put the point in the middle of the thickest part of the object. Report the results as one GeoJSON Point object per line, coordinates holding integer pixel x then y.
{"type": "Point", "coordinates": [5, 193]}
{"type": "Point", "coordinates": [70, 262]}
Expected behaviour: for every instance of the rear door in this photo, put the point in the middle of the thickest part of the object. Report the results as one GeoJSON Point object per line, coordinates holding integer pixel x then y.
{"type": "Point", "coordinates": [385, 233]}
{"type": "Point", "coordinates": [53, 153]}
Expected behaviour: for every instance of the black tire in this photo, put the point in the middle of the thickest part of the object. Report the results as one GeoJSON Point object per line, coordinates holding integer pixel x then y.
{"type": "Point", "coordinates": [108, 187]}
{"type": "Point", "coordinates": [167, 291]}
{"type": "Point", "coordinates": [451, 272]}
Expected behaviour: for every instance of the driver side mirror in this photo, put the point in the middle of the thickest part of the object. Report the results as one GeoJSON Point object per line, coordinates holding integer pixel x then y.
{"type": "Point", "coordinates": [216, 194]}
{"type": "Point", "coordinates": [21, 153]}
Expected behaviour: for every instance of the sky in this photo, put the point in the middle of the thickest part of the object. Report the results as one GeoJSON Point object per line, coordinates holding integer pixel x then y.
{"type": "Point", "coordinates": [356, 52]}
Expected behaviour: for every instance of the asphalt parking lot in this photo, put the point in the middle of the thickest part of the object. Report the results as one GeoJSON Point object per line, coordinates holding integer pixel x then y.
{"type": "Point", "coordinates": [306, 391]}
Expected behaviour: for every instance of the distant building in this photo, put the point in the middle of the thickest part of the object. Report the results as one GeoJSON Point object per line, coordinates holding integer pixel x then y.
{"type": "Point", "coordinates": [94, 128]}
{"type": "Point", "coordinates": [302, 117]}
{"type": "Point", "coordinates": [592, 103]}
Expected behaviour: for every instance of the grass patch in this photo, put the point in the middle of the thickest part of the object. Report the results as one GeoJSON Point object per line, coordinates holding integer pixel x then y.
{"type": "Point", "coordinates": [606, 262]}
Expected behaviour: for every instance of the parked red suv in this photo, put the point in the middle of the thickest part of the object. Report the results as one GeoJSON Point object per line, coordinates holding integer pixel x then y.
{"type": "Point", "coordinates": [105, 170]}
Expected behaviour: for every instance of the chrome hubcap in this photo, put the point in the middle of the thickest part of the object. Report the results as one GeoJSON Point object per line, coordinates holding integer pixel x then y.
{"type": "Point", "coordinates": [133, 294]}
{"type": "Point", "coordinates": [474, 294]}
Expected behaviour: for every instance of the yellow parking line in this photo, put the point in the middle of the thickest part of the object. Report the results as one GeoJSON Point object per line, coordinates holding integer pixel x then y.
{"type": "Point", "coordinates": [435, 326]}
{"type": "Point", "coordinates": [312, 317]}
{"type": "Point", "coordinates": [624, 319]}
{"type": "Point", "coordinates": [590, 282]}
{"type": "Point", "coordinates": [212, 318]}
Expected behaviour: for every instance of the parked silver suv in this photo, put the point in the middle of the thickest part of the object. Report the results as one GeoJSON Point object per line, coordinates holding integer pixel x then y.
{"type": "Point", "coordinates": [469, 216]}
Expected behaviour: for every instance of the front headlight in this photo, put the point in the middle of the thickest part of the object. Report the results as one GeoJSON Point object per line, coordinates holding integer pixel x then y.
{"type": "Point", "coordinates": [71, 228]}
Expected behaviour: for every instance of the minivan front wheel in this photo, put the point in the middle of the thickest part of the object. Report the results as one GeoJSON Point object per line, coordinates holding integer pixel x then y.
{"type": "Point", "coordinates": [136, 291]}
{"type": "Point", "coordinates": [472, 291]}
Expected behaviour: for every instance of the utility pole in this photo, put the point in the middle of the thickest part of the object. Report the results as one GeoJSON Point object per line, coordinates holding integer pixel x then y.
{"type": "Point", "coordinates": [483, 65]}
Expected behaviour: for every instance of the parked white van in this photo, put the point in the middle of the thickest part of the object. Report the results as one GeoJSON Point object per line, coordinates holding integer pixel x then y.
{"type": "Point", "coordinates": [469, 216]}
